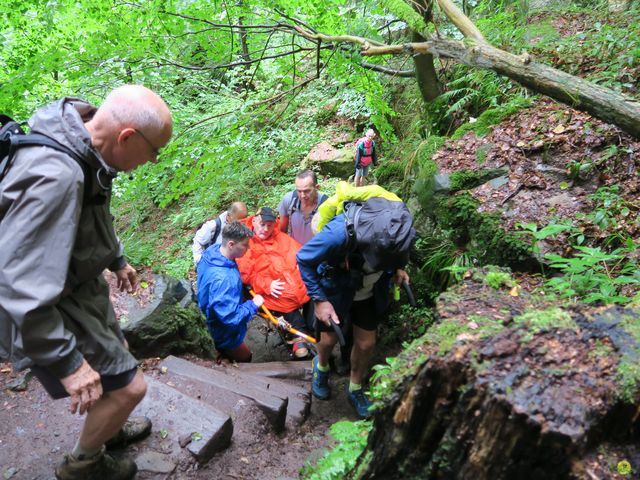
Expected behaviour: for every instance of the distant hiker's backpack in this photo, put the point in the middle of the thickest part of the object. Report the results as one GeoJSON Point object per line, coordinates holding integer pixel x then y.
{"type": "Point", "coordinates": [296, 205]}
{"type": "Point", "coordinates": [382, 230]}
{"type": "Point", "coordinates": [13, 137]}
{"type": "Point", "coordinates": [365, 145]}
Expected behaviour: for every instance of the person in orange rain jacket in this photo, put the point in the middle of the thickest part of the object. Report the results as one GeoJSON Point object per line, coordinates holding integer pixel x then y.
{"type": "Point", "coordinates": [270, 268]}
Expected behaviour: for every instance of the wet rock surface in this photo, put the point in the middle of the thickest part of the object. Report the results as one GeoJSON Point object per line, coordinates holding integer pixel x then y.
{"type": "Point", "coordinates": [161, 318]}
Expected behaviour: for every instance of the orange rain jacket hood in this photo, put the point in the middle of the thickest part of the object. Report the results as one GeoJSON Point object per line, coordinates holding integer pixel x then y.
{"type": "Point", "coordinates": [269, 260]}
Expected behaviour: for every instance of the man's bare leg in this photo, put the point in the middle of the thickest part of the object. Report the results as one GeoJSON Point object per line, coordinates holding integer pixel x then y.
{"type": "Point", "coordinates": [108, 414]}
{"type": "Point", "coordinates": [364, 342]}
{"type": "Point", "coordinates": [325, 346]}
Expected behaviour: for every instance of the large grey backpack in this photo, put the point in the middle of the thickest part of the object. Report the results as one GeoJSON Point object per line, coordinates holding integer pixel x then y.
{"type": "Point", "coordinates": [382, 230]}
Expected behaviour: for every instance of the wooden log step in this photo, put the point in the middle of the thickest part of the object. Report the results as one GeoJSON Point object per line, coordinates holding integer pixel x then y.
{"type": "Point", "coordinates": [223, 390]}
{"type": "Point", "coordinates": [204, 429]}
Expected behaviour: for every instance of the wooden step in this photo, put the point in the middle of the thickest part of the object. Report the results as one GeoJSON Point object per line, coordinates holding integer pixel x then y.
{"type": "Point", "coordinates": [183, 417]}
{"type": "Point", "coordinates": [294, 370]}
{"type": "Point", "coordinates": [297, 391]}
{"type": "Point", "coordinates": [222, 390]}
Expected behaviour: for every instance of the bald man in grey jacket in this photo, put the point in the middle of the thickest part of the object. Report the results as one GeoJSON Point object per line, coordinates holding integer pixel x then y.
{"type": "Point", "coordinates": [57, 237]}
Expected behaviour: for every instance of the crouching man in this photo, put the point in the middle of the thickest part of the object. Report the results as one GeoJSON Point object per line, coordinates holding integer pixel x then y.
{"type": "Point", "coordinates": [220, 294]}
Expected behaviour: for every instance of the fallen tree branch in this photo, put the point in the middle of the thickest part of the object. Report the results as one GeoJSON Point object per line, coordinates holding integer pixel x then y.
{"type": "Point", "coordinates": [460, 20]}
{"type": "Point", "coordinates": [601, 102]}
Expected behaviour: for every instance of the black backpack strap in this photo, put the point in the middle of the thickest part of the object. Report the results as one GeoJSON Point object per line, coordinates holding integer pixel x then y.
{"type": "Point", "coordinates": [39, 139]}
{"type": "Point", "coordinates": [351, 211]}
{"type": "Point", "coordinates": [295, 203]}
{"type": "Point", "coordinates": [9, 128]}
{"type": "Point", "coordinates": [217, 231]}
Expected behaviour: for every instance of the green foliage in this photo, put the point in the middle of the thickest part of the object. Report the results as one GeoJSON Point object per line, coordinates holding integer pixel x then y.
{"type": "Point", "coordinates": [443, 262]}
{"type": "Point", "coordinates": [610, 46]}
{"type": "Point", "coordinates": [628, 375]}
{"type": "Point", "coordinates": [539, 235]}
{"type": "Point", "coordinates": [336, 463]}
{"type": "Point", "coordinates": [609, 213]}
{"type": "Point", "coordinates": [536, 321]}
{"type": "Point", "coordinates": [497, 280]}
{"type": "Point", "coordinates": [481, 234]}
{"type": "Point", "coordinates": [405, 324]}
{"type": "Point", "coordinates": [388, 375]}
{"type": "Point", "coordinates": [593, 275]}
{"type": "Point", "coordinates": [493, 116]}
{"type": "Point", "coordinates": [390, 172]}
{"type": "Point", "coordinates": [405, 11]}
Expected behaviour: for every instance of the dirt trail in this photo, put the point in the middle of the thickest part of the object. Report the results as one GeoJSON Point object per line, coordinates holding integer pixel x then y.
{"type": "Point", "coordinates": [36, 431]}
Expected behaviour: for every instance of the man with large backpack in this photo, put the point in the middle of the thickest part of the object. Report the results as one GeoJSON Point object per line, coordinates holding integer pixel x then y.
{"type": "Point", "coordinates": [298, 207]}
{"type": "Point", "coordinates": [347, 268]}
{"type": "Point", "coordinates": [57, 237]}
{"type": "Point", "coordinates": [210, 231]}
{"type": "Point", "coordinates": [365, 156]}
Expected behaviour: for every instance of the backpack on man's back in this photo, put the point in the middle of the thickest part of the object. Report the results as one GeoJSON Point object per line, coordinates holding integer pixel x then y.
{"type": "Point", "coordinates": [382, 230]}
{"type": "Point", "coordinates": [13, 137]}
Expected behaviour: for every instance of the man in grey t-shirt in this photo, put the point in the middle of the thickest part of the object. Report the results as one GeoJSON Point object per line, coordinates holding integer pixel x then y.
{"type": "Point", "coordinates": [298, 207]}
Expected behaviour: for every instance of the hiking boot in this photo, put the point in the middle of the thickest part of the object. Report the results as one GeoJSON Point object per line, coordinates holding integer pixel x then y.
{"type": "Point", "coordinates": [102, 466]}
{"type": "Point", "coordinates": [360, 402]}
{"type": "Point", "coordinates": [134, 429]}
{"type": "Point", "coordinates": [320, 384]}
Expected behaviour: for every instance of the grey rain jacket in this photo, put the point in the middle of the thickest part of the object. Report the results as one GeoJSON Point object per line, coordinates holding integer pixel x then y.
{"type": "Point", "coordinates": [54, 302]}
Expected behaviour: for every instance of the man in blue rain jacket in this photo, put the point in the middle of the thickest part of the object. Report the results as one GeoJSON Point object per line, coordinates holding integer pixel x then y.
{"type": "Point", "coordinates": [220, 293]}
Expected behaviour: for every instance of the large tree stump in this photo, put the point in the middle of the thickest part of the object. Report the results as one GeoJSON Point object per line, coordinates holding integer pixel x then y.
{"type": "Point", "coordinates": [512, 387]}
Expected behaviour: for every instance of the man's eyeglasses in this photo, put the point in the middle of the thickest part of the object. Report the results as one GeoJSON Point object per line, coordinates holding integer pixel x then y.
{"type": "Point", "coordinates": [154, 149]}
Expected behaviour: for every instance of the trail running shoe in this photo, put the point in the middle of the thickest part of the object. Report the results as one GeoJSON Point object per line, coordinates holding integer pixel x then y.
{"type": "Point", "coordinates": [320, 385]}
{"type": "Point", "coordinates": [300, 350]}
{"type": "Point", "coordinates": [360, 402]}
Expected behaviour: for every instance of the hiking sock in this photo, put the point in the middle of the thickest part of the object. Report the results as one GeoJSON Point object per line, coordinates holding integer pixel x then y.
{"type": "Point", "coordinates": [354, 386]}
{"type": "Point", "coordinates": [80, 453]}
{"type": "Point", "coordinates": [323, 368]}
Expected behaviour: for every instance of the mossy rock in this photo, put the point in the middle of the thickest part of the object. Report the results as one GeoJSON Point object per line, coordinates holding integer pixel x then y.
{"type": "Point", "coordinates": [337, 163]}
{"type": "Point", "coordinates": [482, 234]}
{"type": "Point", "coordinates": [170, 324]}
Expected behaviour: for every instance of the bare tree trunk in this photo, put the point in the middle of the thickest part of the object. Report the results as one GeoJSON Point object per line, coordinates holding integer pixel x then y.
{"type": "Point", "coordinates": [426, 74]}
{"type": "Point", "coordinates": [425, 71]}
{"type": "Point", "coordinates": [243, 41]}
